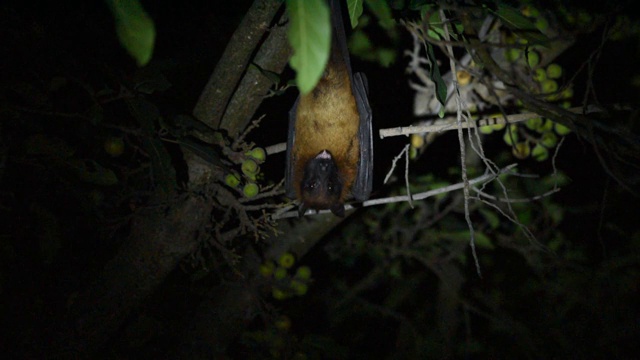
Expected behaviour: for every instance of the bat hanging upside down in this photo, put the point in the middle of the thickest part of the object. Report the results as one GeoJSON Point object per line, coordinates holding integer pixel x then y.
{"type": "Point", "coordinates": [329, 147]}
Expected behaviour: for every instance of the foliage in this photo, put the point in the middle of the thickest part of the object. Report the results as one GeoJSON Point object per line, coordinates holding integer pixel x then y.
{"type": "Point", "coordinates": [88, 147]}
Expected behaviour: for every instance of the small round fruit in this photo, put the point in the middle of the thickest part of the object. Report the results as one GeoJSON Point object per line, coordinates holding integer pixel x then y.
{"type": "Point", "coordinates": [278, 294]}
{"type": "Point", "coordinates": [561, 129]}
{"type": "Point", "coordinates": [250, 167]}
{"type": "Point", "coordinates": [283, 323]}
{"type": "Point", "coordinates": [299, 288]}
{"type": "Point", "coordinates": [286, 260]}
{"type": "Point", "coordinates": [549, 86]}
{"type": "Point", "coordinates": [554, 71]}
{"type": "Point", "coordinates": [463, 76]}
{"type": "Point", "coordinates": [303, 273]}
{"type": "Point", "coordinates": [540, 153]}
{"type": "Point", "coordinates": [511, 137]}
{"type": "Point", "coordinates": [521, 150]}
{"type": "Point", "coordinates": [513, 54]}
{"type": "Point", "coordinates": [417, 140]}
{"type": "Point", "coordinates": [549, 139]}
{"type": "Point", "coordinates": [540, 75]}
{"type": "Point", "coordinates": [534, 123]}
{"type": "Point", "coordinates": [250, 190]}
{"type": "Point", "coordinates": [232, 180]}
{"type": "Point", "coordinates": [280, 273]}
{"type": "Point", "coordinates": [114, 146]}
{"type": "Point", "coordinates": [267, 268]}
{"type": "Point", "coordinates": [533, 59]}
{"type": "Point", "coordinates": [258, 154]}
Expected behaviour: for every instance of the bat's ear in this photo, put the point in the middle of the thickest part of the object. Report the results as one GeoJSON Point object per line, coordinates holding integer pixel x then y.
{"type": "Point", "coordinates": [338, 210]}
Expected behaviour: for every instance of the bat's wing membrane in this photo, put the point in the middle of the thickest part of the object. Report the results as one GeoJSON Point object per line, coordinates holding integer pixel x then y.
{"type": "Point", "coordinates": [364, 180]}
{"type": "Point", "coordinates": [291, 137]}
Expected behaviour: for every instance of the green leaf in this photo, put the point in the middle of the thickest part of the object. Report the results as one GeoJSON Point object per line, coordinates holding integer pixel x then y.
{"type": "Point", "coordinates": [436, 77]}
{"type": "Point", "coordinates": [136, 31]}
{"type": "Point", "coordinates": [520, 24]}
{"type": "Point", "coordinates": [354, 7]}
{"type": "Point", "coordinates": [492, 219]}
{"type": "Point", "coordinates": [382, 12]}
{"type": "Point", "coordinates": [310, 38]}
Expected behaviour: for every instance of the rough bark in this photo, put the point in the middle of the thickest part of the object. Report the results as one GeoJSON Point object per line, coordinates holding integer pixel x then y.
{"type": "Point", "coordinates": [233, 63]}
{"type": "Point", "coordinates": [157, 242]}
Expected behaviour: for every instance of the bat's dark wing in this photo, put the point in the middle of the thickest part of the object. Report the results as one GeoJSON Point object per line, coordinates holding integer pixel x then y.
{"type": "Point", "coordinates": [291, 137]}
{"type": "Point", "coordinates": [364, 179]}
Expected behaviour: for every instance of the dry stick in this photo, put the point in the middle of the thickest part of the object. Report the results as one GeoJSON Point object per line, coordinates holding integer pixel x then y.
{"type": "Point", "coordinates": [404, 151]}
{"type": "Point", "coordinates": [465, 179]}
{"type": "Point", "coordinates": [403, 198]}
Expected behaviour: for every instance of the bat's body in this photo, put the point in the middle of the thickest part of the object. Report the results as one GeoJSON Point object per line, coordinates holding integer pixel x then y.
{"type": "Point", "coordinates": [329, 152]}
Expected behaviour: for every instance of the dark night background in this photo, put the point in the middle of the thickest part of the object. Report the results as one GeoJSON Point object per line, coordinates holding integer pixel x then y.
{"type": "Point", "coordinates": [579, 300]}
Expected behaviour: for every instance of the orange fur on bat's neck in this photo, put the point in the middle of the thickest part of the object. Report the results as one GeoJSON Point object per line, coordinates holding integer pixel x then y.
{"type": "Point", "coordinates": [327, 119]}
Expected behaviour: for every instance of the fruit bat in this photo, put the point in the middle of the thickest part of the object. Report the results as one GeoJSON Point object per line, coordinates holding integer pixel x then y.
{"type": "Point", "coordinates": [329, 144]}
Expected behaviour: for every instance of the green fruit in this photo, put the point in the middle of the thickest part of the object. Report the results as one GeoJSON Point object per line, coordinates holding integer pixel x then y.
{"type": "Point", "coordinates": [534, 123]}
{"type": "Point", "coordinates": [513, 54]}
{"type": "Point", "coordinates": [278, 294]}
{"type": "Point", "coordinates": [283, 323]}
{"type": "Point", "coordinates": [498, 127]}
{"type": "Point", "coordinates": [549, 86]}
{"type": "Point", "coordinates": [280, 273]}
{"type": "Point", "coordinates": [250, 167]}
{"type": "Point", "coordinates": [258, 154]}
{"type": "Point", "coordinates": [567, 93]}
{"type": "Point", "coordinates": [303, 272]}
{"type": "Point", "coordinates": [232, 180]}
{"type": "Point", "coordinates": [511, 137]}
{"type": "Point", "coordinates": [114, 146]}
{"type": "Point", "coordinates": [286, 260]}
{"type": "Point", "coordinates": [533, 59]}
{"type": "Point", "coordinates": [540, 153]}
{"type": "Point", "coordinates": [561, 129]}
{"type": "Point", "coordinates": [299, 288]}
{"type": "Point", "coordinates": [549, 139]}
{"type": "Point", "coordinates": [486, 130]}
{"type": "Point", "coordinates": [530, 11]}
{"type": "Point", "coordinates": [521, 150]}
{"type": "Point", "coordinates": [554, 71]}
{"type": "Point", "coordinates": [250, 190]}
{"type": "Point", "coordinates": [267, 269]}
{"type": "Point", "coordinates": [539, 75]}
{"type": "Point", "coordinates": [545, 127]}
{"type": "Point", "coordinates": [542, 24]}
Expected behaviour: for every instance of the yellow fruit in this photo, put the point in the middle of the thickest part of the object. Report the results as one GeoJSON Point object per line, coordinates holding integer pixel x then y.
{"type": "Point", "coordinates": [417, 140]}
{"type": "Point", "coordinates": [114, 146]}
{"type": "Point", "coordinates": [463, 77]}
{"type": "Point", "coordinates": [521, 150]}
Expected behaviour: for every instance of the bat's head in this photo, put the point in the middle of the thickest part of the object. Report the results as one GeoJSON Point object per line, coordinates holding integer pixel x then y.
{"type": "Point", "coordinates": [321, 185]}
